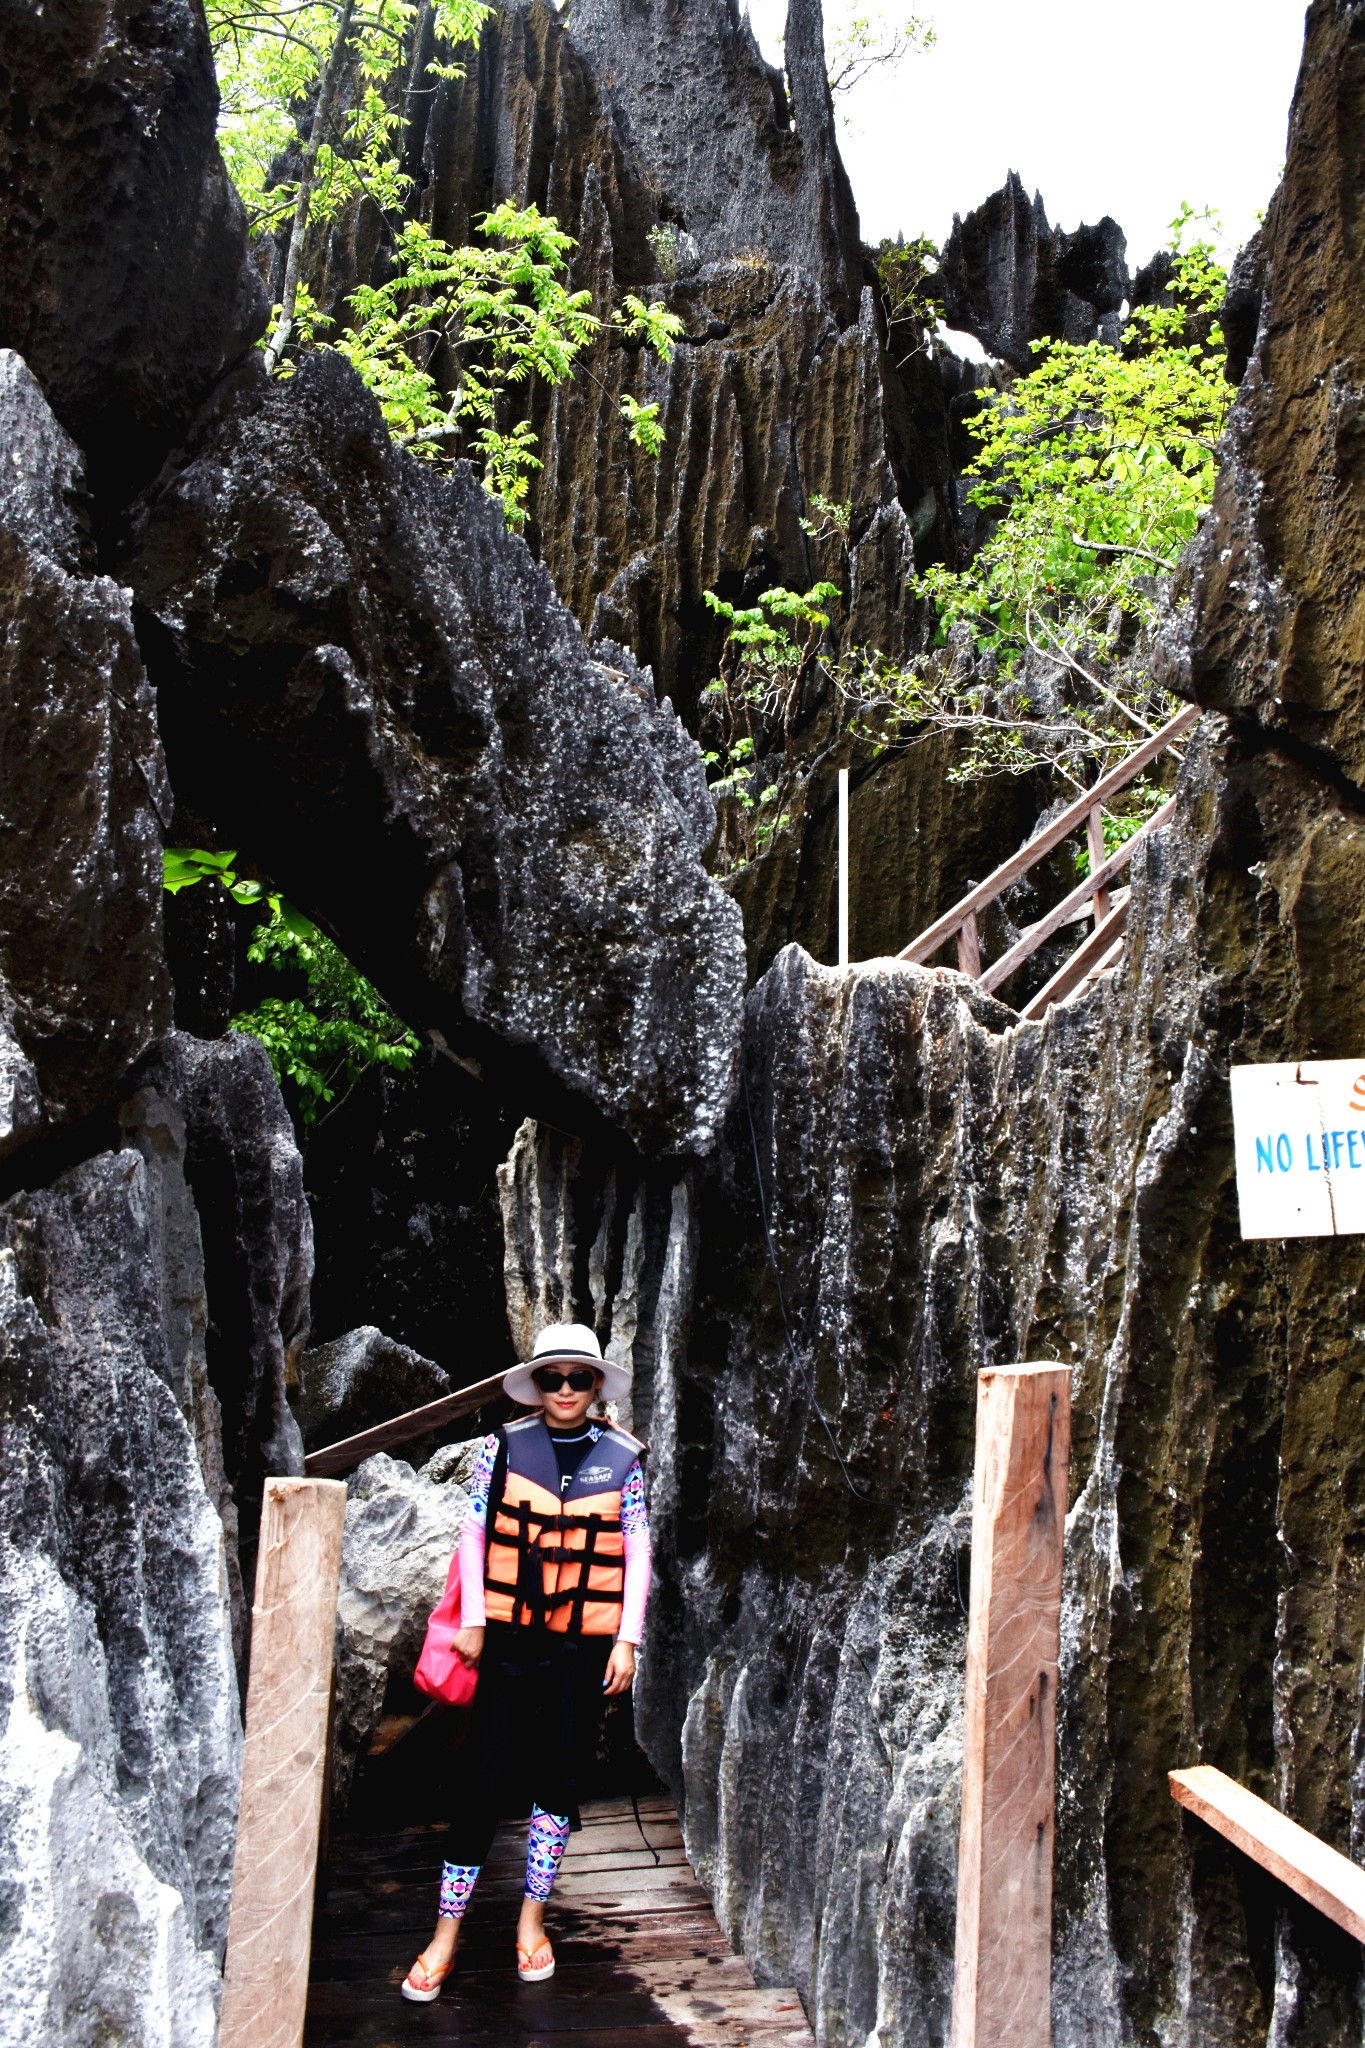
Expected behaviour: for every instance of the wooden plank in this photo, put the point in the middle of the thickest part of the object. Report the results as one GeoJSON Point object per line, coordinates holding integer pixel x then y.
{"type": "Point", "coordinates": [1003, 1958]}
{"type": "Point", "coordinates": [1073, 972]}
{"type": "Point", "coordinates": [1071, 819]}
{"type": "Point", "coordinates": [1103, 965]}
{"type": "Point", "coordinates": [293, 1629]}
{"type": "Point", "coordinates": [403, 1429]}
{"type": "Point", "coordinates": [646, 1967]}
{"type": "Point", "coordinates": [1094, 840]}
{"type": "Point", "coordinates": [1061, 913]}
{"type": "Point", "coordinates": [969, 947]}
{"type": "Point", "coordinates": [1327, 1879]}
{"type": "Point", "coordinates": [382, 2030]}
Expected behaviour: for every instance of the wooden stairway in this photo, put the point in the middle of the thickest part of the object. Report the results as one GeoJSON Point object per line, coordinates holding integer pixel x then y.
{"type": "Point", "coordinates": [641, 1960]}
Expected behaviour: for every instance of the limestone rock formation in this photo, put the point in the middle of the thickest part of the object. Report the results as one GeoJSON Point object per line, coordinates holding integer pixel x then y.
{"type": "Point", "coordinates": [1010, 279]}
{"type": "Point", "coordinates": [360, 1379]}
{"type": "Point", "coordinates": [947, 1188]}
{"type": "Point", "coordinates": [246, 1177]}
{"type": "Point", "coordinates": [597, 1240]}
{"type": "Point", "coordinates": [783, 386]}
{"type": "Point", "coordinates": [523, 829]}
{"type": "Point", "coordinates": [119, 1723]}
{"type": "Point", "coordinates": [402, 1178]}
{"type": "Point", "coordinates": [83, 794]}
{"type": "Point", "coordinates": [762, 172]}
{"type": "Point", "coordinates": [402, 1528]}
{"type": "Point", "coordinates": [122, 242]}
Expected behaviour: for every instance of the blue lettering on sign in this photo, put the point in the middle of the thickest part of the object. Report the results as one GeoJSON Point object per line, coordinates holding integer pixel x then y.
{"type": "Point", "coordinates": [1277, 1151]}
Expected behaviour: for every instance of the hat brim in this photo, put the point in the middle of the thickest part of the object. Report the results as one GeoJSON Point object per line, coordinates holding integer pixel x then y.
{"type": "Point", "coordinates": [519, 1385]}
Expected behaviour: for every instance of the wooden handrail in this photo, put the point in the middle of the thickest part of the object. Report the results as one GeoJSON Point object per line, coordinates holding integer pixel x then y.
{"type": "Point", "coordinates": [402, 1429]}
{"type": "Point", "coordinates": [1091, 956]}
{"type": "Point", "coordinates": [1095, 884]}
{"type": "Point", "coordinates": [1074, 816]}
{"type": "Point", "coordinates": [1327, 1879]}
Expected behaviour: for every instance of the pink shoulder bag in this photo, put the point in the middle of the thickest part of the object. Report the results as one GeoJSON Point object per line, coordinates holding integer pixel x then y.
{"type": "Point", "coordinates": [439, 1671]}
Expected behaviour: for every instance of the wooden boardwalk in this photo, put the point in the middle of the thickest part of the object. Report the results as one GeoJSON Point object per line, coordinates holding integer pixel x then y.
{"type": "Point", "coordinates": [641, 1961]}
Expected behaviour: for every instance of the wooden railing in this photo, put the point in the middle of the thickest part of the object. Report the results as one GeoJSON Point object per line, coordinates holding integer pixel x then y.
{"type": "Point", "coordinates": [1110, 913]}
{"type": "Point", "coordinates": [402, 1429]}
{"type": "Point", "coordinates": [1322, 1875]}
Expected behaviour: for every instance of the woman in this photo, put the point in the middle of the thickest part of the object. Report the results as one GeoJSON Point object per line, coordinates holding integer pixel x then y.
{"type": "Point", "coordinates": [554, 1576]}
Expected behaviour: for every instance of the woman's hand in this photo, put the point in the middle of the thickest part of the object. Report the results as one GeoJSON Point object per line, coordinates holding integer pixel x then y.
{"type": "Point", "coordinates": [620, 1669]}
{"type": "Point", "coordinates": [469, 1645]}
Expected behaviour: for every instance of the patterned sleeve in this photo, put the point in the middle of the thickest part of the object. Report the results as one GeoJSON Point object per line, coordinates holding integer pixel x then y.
{"type": "Point", "coordinates": [634, 1513]}
{"type": "Point", "coordinates": [483, 1478]}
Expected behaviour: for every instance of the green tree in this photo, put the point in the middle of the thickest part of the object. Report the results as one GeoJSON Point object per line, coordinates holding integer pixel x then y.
{"type": "Point", "coordinates": [1090, 472]}
{"type": "Point", "coordinates": [318, 1047]}
{"type": "Point", "coordinates": [770, 649]}
{"type": "Point", "coordinates": [856, 44]}
{"type": "Point", "coordinates": [317, 99]}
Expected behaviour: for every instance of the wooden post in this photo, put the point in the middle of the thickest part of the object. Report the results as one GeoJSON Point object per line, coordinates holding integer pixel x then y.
{"type": "Point", "coordinates": [293, 1630]}
{"type": "Point", "coordinates": [843, 867]}
{"type": "Point", "coordinates": [969, 947]}
{"type": "Point", "coordinates": [1094, 839]}
{"type": "Point", "coordinates": [1002, 1976]}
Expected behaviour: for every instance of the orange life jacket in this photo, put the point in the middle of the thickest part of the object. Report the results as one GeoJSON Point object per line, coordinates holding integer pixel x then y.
{"type": "Point", "coordinates": [559, 1559]}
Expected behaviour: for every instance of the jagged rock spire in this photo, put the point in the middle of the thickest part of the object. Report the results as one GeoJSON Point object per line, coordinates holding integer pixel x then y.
{"type": "Point", "coordinates": [761, 168]}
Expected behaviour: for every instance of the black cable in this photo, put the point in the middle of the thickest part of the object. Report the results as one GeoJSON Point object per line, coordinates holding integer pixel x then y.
{"type": "Point", "coordinates": [782, 1303]}
{"type": "Point", "coordinates": [635, 1809]}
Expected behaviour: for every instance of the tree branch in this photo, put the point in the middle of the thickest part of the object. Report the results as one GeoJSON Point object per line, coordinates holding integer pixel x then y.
{"type": "Point", "coordinates": [327, 91]}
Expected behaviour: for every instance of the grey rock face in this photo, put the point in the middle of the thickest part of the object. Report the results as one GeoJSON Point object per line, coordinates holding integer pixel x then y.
{"type": "Point", "coordinates": [358, 1380]}
{"type": "Point", "coordinates": [783, 387]}
{"type": "Point", "coordinates": [1010, 279]}
{"type": "Point", "coordinates": [757, 172]}
{"type": "Point", "coordinates": [246, 1176]}
{"type": "Point", "coordinates": [83, 794]}
{"type": "Point", "coordinates": [402, 1528]}
{"type": "Point", "coordinates": [118, 1697]}
{"type": "Point", "coordinates": [521, 878]}
{"type": "Point", "coordinates": [948, 1189]}
{"type": "Point", "coordinates": [596, 1240]}
{"type": "Point", "coordinates": [402, 1178]}
{"type": "Point", "coordinates": [122, 242]}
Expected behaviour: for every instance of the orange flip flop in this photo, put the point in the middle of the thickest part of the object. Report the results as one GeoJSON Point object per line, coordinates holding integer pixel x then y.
{"type": "Point", "coordinates": [421, 1984]}
{"type": "Point", "coordinates": [524, 1970]}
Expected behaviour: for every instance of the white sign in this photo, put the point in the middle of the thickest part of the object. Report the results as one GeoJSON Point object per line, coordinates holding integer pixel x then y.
{"type": "Point", "coordinates": [1300, 1139]}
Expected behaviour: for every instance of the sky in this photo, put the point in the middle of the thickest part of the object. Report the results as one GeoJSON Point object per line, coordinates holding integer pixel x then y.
{"type": "Point", "coordinates": [1125, 107]}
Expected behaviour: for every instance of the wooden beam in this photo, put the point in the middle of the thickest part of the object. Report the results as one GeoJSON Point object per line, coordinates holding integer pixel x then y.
{"type": "Point", "coordinates": [1028, 942]}
{"type": "Point", "coordinates": [1095, 844]}
{"type": "Point", "coordinates": [403, 1429]}
{"type": "Point", "coordinates": [843, 867]}
{"type": "Point", "coordinates": [1002, 1972]}
{"type": "Point", "coordinates": [969, 947]}
{"type": "Point", "coordinates": [1072, 972]}
{"type": "Point", "coordinates": [1071, 819]}
{"type": "Point", "coordinates": [1328, 1880]}
{"type": "Point", "coordinates": [293, 1631]}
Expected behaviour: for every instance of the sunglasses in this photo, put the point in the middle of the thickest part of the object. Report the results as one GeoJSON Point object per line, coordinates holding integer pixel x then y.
{"type": "Point", "coordinates": [550, 1382]}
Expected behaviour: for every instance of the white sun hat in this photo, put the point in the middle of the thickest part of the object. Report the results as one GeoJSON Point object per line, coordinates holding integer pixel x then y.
{"type": "Point", "coordinates": [566, 1344]}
